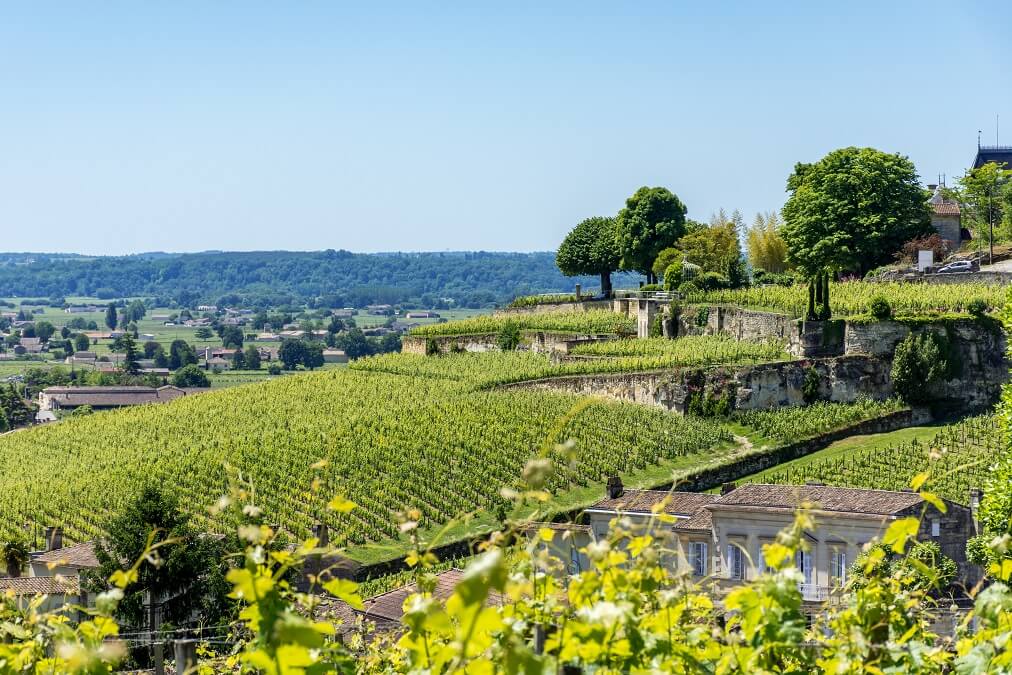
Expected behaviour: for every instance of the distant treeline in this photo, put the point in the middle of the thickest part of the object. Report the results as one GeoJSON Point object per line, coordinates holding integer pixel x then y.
{"type": "Point", "coordinates": [276, 278]}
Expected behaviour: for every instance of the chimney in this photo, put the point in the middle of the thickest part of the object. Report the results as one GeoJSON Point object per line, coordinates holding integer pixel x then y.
{"type": "Point", "coordinates": [976, 495]}
{"type": "Point", "coordinates": [322, 534]}
{"type": "Point", "coordinates": [727, 487]}
{"type": "Point", "coordinates": [54, 538]}
{"type": "Point", "coordinates": [615, 487]}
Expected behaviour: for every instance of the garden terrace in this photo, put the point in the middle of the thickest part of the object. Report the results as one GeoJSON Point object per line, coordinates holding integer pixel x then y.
{"type": "Point", "coordinates": [595, 322]}
{"type": "Point", "coordinates": [852, 298]}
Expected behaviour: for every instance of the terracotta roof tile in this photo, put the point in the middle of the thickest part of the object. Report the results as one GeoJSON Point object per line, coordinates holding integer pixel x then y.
{"type": "Point", "coordinates": [40, 585]}
{"type": "Point", "coordinates": [389, 606]}
{"type": "Point", "coordinates": [700, 522]}
{"type": "Point", "coordinates": [843, 500]}
{"type": "Point", "coordinates": [641, 501]}
{"type": "Point", "coordinates": [946, 209]}
{"type": "Point", "coordinates": [81, 556]}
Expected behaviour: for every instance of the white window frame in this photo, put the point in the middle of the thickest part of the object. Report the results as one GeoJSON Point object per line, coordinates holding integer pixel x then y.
{"type": "Point", "coordinates": [838, 567]}
{"type": "Point", "coordinates": [803, 561]}
{"type": "Point", "coordinates": [735, 562]}
{"type": "Point", "coordinates": [698, 558]}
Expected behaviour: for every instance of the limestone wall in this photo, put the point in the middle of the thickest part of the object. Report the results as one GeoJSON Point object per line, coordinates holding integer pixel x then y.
{"type": "Point", "coordinates": [538, 341]}
{"type": "Point", "coordinates": [742, 324]}
{"type": "Point", "coordinates": [582, 306]}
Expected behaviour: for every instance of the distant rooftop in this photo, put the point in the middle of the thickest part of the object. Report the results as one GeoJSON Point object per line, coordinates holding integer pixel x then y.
{"type": "Point", "coordinates": [1000, 154]}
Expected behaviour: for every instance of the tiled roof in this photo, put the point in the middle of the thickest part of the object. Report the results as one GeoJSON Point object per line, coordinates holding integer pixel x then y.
{"type": "Point", "coordinates": [641, 501]}
{"type": "Point", "coordinates": [40, 585]}
{"type": "Point", "coordinates": [842, 500]}
{"type": "Point", "coordinates": [110, 396]}
{"type": "Point", "coordinates": [81, 556]}
{"type": "Point", "coordinates": [946, 209]}
{"type": "Point", "coordinates": [702, 521]}
{"type": "Point", "coordinates": [558, 527]}
{"type": "Point", "coordinates": [389, 606]}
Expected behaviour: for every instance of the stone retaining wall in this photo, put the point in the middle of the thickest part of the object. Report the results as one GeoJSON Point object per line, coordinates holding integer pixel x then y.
{"type": "Point", "coordinates": [581, 306]}
{"type": "Point", "coordinates": [537, 341]}
{"type": "Point", "coordinates": [761, 460]}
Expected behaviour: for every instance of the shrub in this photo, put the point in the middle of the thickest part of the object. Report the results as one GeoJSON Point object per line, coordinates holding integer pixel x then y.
{"type": "Point", "coordinates": [880, 308]}
{"type": "Point", "coordinates": [687, 288]}
{"type": "Point", "coordinates": [673, 276]}
{"type": "Point", "coordinates": [508, 338]}
{"type": "Point", "coordinates": [810, 385]}
{"type": "Point", "coordinates": [712, 281]}
{"type": "Point", "coordinates": [977, 308]}
{"type": "Point", "coordinates": [650, 287]}
{"type": "Point", "coordinates": [190, 376]}
{"type": "Point", "coordinates": [274, 369]}
{"type": "Point", "coordinates": [934, 243]}
{"type": "Point", "coordinates": [702, 315]}
{"type": "Point", "coordinates": [432, 347]}
{"type": "Point", "coordinates": [919, 361]}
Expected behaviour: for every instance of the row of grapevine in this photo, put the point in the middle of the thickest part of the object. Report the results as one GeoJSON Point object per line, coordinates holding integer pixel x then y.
{"type": "Point", "coordinates": [787, 425]}
{"type": "Point", "coordinates": [488, 369]}
{"type": "Point", "coordinates": [388, 441]}
{"type": "Point", "coordinates": [958, 458]}
{"type": "Point", "coordinates": [853, 297]}
{"type": "Point", "coordinates": [595, 322]}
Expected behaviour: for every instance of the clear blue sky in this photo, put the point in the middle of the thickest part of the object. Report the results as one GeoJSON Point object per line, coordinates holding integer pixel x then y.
{"type": "Point", "coordinates": [177, 126]}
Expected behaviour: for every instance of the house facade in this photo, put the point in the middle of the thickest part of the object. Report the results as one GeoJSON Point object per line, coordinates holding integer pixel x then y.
{"type": "Point", "coordinates": [721, 537]}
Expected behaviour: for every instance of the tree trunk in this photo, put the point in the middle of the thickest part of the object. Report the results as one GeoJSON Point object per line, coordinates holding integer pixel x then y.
{"type": "Point", "coordinates": [606, 284]}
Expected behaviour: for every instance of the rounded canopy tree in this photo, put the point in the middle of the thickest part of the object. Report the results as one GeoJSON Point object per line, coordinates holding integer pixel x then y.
{"type": "Point", "coordinates": [852, 210]}
{"type": "Point", "coordinates": [590, 248]}
{"type": "Point", "coordinates": [653, 219]}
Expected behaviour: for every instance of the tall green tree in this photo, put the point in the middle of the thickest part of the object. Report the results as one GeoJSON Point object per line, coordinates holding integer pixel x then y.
{"type": "Point", "coordinates": [181, 354]}
{"type": "Point", "coordinates": [852, 210]}
{"type": "Point", "coordinates": [187, 580]}
{"type": "Point", "coordinates": [292, 353]}
{"type": "Point", "coordinates": [130, 355]}
{"type": "Point", "coordinates": [111, 316]}
{"type": "Point", "coordinates": [985, 194]}
{"type": "Point", "coordinates": [590, 248]}
{"type": "Point", "coordinates": [253, 357]}
{"type": "Point", "coordinates": [653, 219]}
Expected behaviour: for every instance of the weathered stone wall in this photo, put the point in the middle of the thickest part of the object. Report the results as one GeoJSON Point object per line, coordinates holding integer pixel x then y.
{"type": "Point", "coordinates": [582, 306]}
{"type": "Point", "coordinates": [742, 324]}
{"type": "Point", "coordinates": [761, 386]}
{"type": "Point", "coordinates": [762, 459]}
{"type": "Point", "coordinates": [538, 341]}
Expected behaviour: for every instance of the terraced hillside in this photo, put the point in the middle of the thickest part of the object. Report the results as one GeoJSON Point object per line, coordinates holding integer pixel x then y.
{"type": "Point", "coordinates": [430, 439]}
{"type": "Point", "coordinates": [959, 457]}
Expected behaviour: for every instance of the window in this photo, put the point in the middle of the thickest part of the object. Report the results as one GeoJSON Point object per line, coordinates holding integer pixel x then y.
{"type": "Point", "coordinates": [936, 528]}
{"type": "Point", "coordinates": [697, 558]}
{"type": "Point", "coordinates": [803, 560]}
{"type": "Point", "coordinates": [735, 562]}
{"type": "Point", "coordinates": [838, 567]}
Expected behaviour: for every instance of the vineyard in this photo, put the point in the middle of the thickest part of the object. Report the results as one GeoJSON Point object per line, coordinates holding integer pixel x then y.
{"type": "Point", "coordinates": [388, 441]}
{"type": "Point", "coordinates": [596, 322]}
{"type": "Point", "coordinates": [787, 425]}
{"type": "Point", "coordinates": [493, 368]}
{"type": "Point", "coordinates": [958, 458]}
{"type": "Point", "coordinates": [853, 297]}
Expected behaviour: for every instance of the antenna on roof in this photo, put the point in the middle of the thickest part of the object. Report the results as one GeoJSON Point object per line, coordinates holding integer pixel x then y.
{"type": "Point", "coordinates": [996, 130]}
{"type": "Point", "coordinates": [978, 139]}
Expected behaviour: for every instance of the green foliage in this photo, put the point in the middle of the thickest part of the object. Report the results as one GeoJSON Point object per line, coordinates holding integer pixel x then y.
{"type": "Point", "coordinates": [766, 248]}
{"type": "Point", "coordinates": [590, 248]}
{"type": "Point", "coordinates": [253, 359]}
{"type": "Point", "coordinates": [508, 338]}
{"type": "Point", "coordinates": [977, 308]}
{"type": "Point", "coordinates": [111, 316]}
{"type": "Point", "coordinates": [713, 248]}
{"type": "Point", "coordinates": [673, 276]}
{"type": "Point", "coordinates": [797, 423]}
{"type": "Point", "coordinates": [666, 259]}
{"type": "Point", "coordinates": [918, 362]}
{"type": "Point", "coordinates": [650, 287]}
{"type": "Point", "coordinates": [190, 376]}
{"type": "Point", "coordinates": [711, 281]}
{"type": "Point", "coordinates": [181, 354]}
{"type": "Point", "coordinates": [852, 210]}
{"type": "Point", "coordinates": [274, 369]}
{"type": "Point", "coordinates": [852, 298]}
{"type": "Point", "coordinates": [923, 567]}
{"type": "Point", "coordinates": [879, 308]}
{"type": "Point", "coordinates": [690, 350]}
{"type": "Point", "coordinates": [702, 315]}
{"type": "Point", "coordinates": [547, 299]}
{"type": "Point", "coordinates": [811, 385]}
{"type": "Point", "coordinates": [189, 562]}
{"type": "Point", "coordinates": [959, 457]}
{"type": "Point", "coordinates": [432, 347]}
{"type": "Point", "coordinates": [15, 553]}
{"type": "Point", "coordinates": [586, 323]}
{"type": "Point", "coordinates": [14, 410]}
{"type": "Point", "coordinates": [653, 219]}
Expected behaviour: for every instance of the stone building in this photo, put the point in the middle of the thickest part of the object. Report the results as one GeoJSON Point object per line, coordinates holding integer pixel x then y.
{"type": "Point", "coordinates": [945, 218]}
